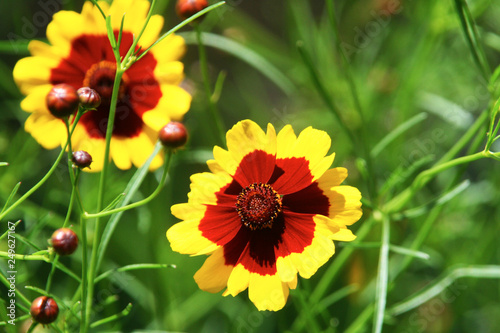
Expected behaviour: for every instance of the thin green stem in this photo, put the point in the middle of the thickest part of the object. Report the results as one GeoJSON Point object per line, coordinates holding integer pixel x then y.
{"type": "Point", "coordinates": [180, 25]}
{"type": "Point", "coordinates": [100, 197]}
{"type": "Point", "coordinates": [83, 285]}
{"type": "Point", "coordinates": [139, 203]}
{"type": "Point", "coordinates": [19, 295]}
{"type": "Point", "coordinates": [214, 112]}
{"type": "Point", "coordinates": [131, 50]}
{"type": "Point", "coordinates": [51, 274]}
{"type": "Point", "coordinates": [48, 174]}
{"type": "Point", "coordinates": [37, 185]}
{"type": "Point", "coordinates": [382, 277]}
{"type": "Point", "coordinates": [472, 38]}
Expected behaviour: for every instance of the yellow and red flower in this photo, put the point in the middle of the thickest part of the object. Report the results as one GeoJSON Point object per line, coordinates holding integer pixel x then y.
{"type": "Point", "coordinates": [79, 54]}
{"type": "Point", "coordinates": [270, 208]}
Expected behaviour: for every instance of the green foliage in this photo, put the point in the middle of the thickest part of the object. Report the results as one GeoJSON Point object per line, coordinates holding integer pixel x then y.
{"type": "Point", "coordinates": [409, 93]}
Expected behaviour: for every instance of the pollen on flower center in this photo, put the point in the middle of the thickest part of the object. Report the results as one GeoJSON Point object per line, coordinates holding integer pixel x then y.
{"type": "Point", "coordinates": [258, 205]}
{"type": "Point", "coordinates": [101, 77]}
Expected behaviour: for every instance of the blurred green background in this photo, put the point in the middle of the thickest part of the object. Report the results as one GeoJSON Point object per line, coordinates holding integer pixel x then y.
{"type": "Point", "coordinates": [408, 58]}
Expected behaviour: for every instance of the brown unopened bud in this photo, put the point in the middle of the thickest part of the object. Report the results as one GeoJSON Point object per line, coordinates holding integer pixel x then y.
{"type": "Point", "coordinates": [62, 100]}
{"type": "Point", "coordinates": [81, 159]}
{"type": "Point", "coordinates": [89, 98]}
{"type": "Point", "coordinates": [173, 135]}
{"type": "Point", "coordinates": [64, 241]}
{"type": "Point", "coordinates": [187, 8]}
{"type": "Point", "coordinates": [44, 310]}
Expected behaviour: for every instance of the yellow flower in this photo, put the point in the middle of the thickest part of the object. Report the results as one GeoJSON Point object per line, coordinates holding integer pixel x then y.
{"type": "Point", "coordinates": [80, 54]}
{"type": "Point", "coordinates": [270, 208]}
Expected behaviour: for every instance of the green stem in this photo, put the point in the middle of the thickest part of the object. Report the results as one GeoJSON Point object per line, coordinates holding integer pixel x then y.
{"type": "Point", "coordinates": [214, 112]}
{"type": "Point", "coordinates": [100, 197]}
{"type": "Point", "coordinates": [472, 37]}
{"type": "Point", "coordinates": [83, 234]}
{"type": "Point", "coordinates": [51, 274]}
{"type": "Point", "coordinates": [37, 186]}
{"type": "Point", "coordinates": [47, 175]}
{"type": "Point", "coordinates": [180, 25]}
{"type": "Point", "coordinates": [382, 277]}
{"type": "Point", "coordinates": [137, 38]}
{"type": "Point", "coordinates": [144, 201]}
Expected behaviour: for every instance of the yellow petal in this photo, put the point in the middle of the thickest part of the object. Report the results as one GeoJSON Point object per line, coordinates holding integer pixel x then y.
{"type": "Point", "coordinates": [188, 211]}
{"type": "Point", "coordinates": [331, 178]}
{"type": "Point", "coordinates": [95, 147]}
{"type": "Point", "coordinates": [64, 27]}
{"type": "Point", "coordinates": [152, 31]}
{"type": "Point", "coordinates": [238, 280]}
{"type": "Point", "coordinates": [286, 269]}
{"type": "Point", "coordinates": [214, 167]}
{"type": "Point", "coordinates": [95, 23]}
{"type": "Point", "coordinates": [35, 101]}
{"type": "Point", "coordinates": [344, 235]}
{"type": "Point", "coordinates": [185, 237]}
{"type": "Point", "coordinates": [345, 204]}
{"type": "Point", "coordinates": [50, 132]}
{"type": "Point", "coordinates": [214, 273]}
{"type": "Point", "coordinates": [312, 144]}
{"type": "Point", "coordinates": [120, 153]}
{"type": "Point", "coordinates": [245, 137]}
{"type": "Point", "coordinates": [316, 254]}
{"type": "Point", "coordinates": [31, 72]}
{"type": "Point", "coordinates": [205, 185]}
{"type": "Point", "coordinates": [267, 292]}
{"type": "Point", "coordinates": [170, 72]}
{"type": "Point", "coordinates": [173, 104]}
{"type": "Point", "coordinates": [171, 48]}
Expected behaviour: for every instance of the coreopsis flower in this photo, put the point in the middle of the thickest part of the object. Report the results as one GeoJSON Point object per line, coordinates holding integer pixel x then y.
{"type": "Point", "coordinates": [79, 54]}
{"type": "Point", "coordinates": [270, 208]}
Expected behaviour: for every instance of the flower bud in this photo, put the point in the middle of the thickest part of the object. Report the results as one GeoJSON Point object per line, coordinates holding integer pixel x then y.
{"type": "Point", "coordinates": [81, 159]}
{"type": "Point", "coordinates": [44, 310]}
{"type": "Point", "coordinates": [173, 135]}
{"type": "Point", "coordinates": [187, 8]}
{"type": "Point", "coordinates": [89, 98]}
{"type": "Point", "coordinates": [64, 241]}
{"type": "Point", "coordinates": [62, 100]}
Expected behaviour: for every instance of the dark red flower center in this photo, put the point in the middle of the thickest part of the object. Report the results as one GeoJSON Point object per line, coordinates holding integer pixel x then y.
{"type": "Point", "coordinates": [91, 63]}
{"type": "Point", "coordinates": [258, 205]}
{"type": "Point", "coordinates": [101, 77]}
